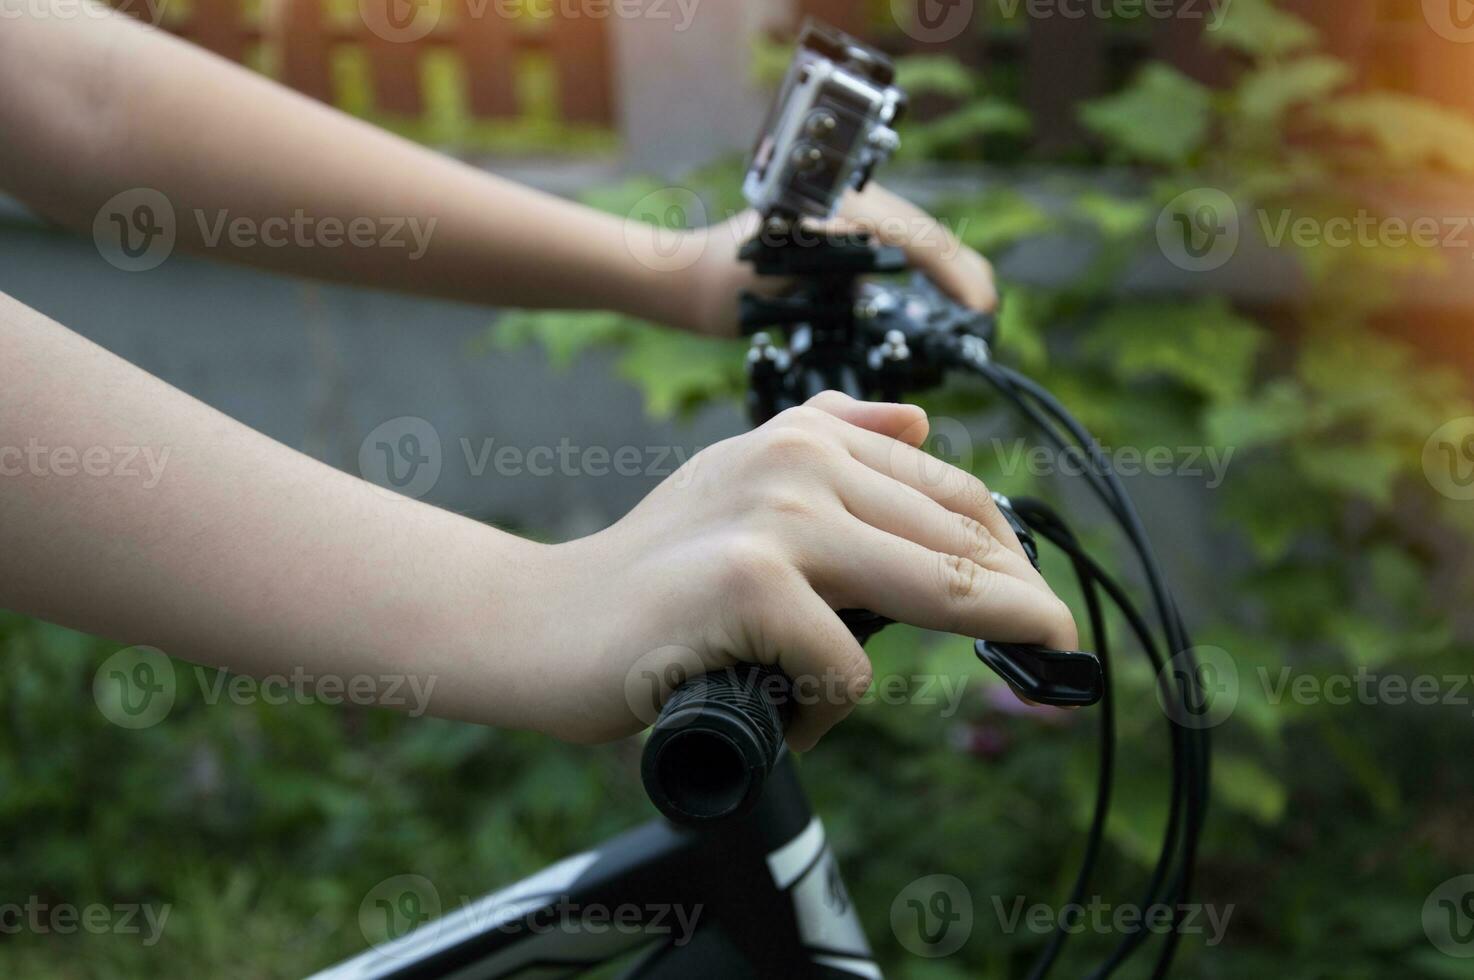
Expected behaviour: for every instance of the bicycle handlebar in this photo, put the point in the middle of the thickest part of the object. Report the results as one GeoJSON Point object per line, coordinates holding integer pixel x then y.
{"type": "Point", "coordinates": [714, 744]}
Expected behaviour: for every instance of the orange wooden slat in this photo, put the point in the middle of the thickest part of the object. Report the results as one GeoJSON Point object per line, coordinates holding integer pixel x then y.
{"type": "Point", "coordinates": [394, 35]}
{"type": "Point", "coordinates": [218, 26]}
{"type": "Point", "coordinates": [486, 44]}
{"type": "Point", "coordinates": [304, 48]}
{"type": "Point", "coordinates": [580, 49]}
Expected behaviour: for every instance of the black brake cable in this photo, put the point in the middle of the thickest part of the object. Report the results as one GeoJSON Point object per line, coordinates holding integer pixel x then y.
{"type": "Point", "coordinates": [1180, 773]}
{"type": "Point", "coordinates": [1190, 746]}
{"type": "Point", "coordinates": [1031, 513]}
{"type": "Point", "coordinates": [1048, 524]}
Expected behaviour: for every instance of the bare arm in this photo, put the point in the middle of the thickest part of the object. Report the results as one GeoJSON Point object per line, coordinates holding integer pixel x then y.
{"type": "Point", "coordinates": [100, 104]}
{"type": "Point", "coordinates": [189, 531]}
{"type": "Point", "coordinates": [231, 549]}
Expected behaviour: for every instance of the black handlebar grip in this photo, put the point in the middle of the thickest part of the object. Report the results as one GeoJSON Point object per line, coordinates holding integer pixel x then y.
{"type": "Point", "coordinates": [715, 742]}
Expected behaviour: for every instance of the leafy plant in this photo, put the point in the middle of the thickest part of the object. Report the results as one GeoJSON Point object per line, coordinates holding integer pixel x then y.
{"type": "Point", "coordinates": [1319, 537]}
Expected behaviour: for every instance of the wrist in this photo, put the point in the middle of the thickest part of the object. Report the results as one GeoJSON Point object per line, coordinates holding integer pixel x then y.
{"type": "Point", "coordinates": [482, 635]}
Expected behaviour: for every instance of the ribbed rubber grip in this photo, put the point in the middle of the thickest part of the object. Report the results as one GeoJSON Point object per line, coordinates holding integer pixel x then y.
{"type": "Point", "coordinates": [717, 738]}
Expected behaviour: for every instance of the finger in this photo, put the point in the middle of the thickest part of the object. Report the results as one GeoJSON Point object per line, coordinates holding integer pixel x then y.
{"type": "Point", "coordinates": [904, 511]}
{"type": "Point", "coordinates": [890, 419]}
{"type": "Point", "coordinates": [865, 567]}
{"type": "Point", "coordinates": [959, 272]}
{"type": "Point", "coordinates": [953, 488]}
{"type": "Point", "coordinates": [827, 668]}
{"type": "Point", "coordinates": [957, 269]}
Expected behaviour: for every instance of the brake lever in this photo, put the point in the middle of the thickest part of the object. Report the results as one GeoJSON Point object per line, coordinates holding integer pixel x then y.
{"type": "Point", "coordinates": [1063, 678]}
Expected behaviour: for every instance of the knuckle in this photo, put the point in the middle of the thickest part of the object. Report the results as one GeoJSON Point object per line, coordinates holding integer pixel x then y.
{"type": "Point", "coordinates": [976, 542]}
{"type": "Point", "coordinates": [751, 566]}
{"type": "Point", "coordinates": [976, 495]}
{"type": "Point", "coordinates": [785, 501]}
{"type": "Point", "coordinates": [826, 400]}
{"type": "Point", "coordinates": [801, 416]}
{"type": "Point", "coordinates": [792, 445]}
{"type": "Point", "coordinates": [962, 577]}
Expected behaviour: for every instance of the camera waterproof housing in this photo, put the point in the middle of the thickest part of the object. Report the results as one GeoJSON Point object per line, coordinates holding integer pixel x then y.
{"type": "Point", "coordinates": [831, 124]}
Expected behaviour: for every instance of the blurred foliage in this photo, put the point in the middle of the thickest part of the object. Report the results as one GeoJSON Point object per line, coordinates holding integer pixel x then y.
{"type": "Point", "coordinates": [1325, 550]}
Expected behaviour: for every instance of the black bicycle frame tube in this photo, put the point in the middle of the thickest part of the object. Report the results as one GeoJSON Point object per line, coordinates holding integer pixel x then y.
{"type": "Point", "coordinates": [760, 897]}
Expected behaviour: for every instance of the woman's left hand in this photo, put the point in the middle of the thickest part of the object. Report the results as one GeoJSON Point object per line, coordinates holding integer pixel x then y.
{"type": "Point", "coordinates": [717, 277]}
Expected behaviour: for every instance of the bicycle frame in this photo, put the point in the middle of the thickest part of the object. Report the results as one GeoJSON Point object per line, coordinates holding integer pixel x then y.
{"type": "Point", "coordinates": [761, 897]}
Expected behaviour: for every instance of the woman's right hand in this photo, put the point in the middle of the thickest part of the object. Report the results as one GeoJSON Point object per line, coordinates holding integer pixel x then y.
{"type": "Point", "coordinates": [746, 552]}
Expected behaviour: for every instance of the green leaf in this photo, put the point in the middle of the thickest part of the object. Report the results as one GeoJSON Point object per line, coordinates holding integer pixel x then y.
{"type": "Point", "coordinates": [1163, 117]}
{"type": "Point", "coordinates": [935, 74]}
{"type": "Point", "coordinates": [1205, 346]}
{"type": "Point", "coordinates": [978, 118]}
{"type": "Point", "coordinates": [1434, 963]}
{"type": "Point", "coordinates": [1021, 321]}
{"type": "Point", "coordinates": [562, 334]}
{"type": "Point", "coordinates": [1114, 217]}
{"type": "Point", "coordinates": [996, 219]}
{"type": "Point", "coordinates": [1369, 643]}
{"type": "Point", "coordinates": [1266, 94]}
{"type": "Point", "coordinates": [1355, 470]}
{"type": "Point", "coordinates": [1410, 132]}
{"type": "Point", "coordinates": [1240, 783]}
{"type": "Point", "coordinates": [679, 372]}
{"type": "Point", "coordinates": [1260, 29]}
{"type": "Point", "coordinates": [1275, 413]}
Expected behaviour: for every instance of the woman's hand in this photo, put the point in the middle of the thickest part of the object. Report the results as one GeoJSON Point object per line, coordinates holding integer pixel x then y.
{"type": "Point", "coordinates": [717, 277]}
{"type": "Point", "coordinates": [745, 553]}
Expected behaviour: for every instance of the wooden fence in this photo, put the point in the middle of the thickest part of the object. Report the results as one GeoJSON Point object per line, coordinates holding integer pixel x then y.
{"type": "Point", "coordinates": [1050, 63]}
{"type": "Point", "coordinates": [301, 37]}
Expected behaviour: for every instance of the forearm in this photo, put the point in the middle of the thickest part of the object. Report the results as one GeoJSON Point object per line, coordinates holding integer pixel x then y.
{"type": "Point", "coordinates": [130, 510]}
{"type": "Point", "coordinates": [111, 105]}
